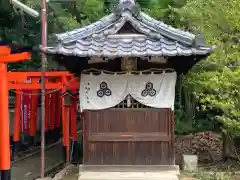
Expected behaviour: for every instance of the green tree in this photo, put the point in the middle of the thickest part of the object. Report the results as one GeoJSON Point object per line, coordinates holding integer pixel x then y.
{"type": "Point", "coordinates": [215, 82]}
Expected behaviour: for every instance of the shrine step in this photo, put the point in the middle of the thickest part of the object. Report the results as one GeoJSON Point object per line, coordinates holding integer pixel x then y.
{"type": "Point", "coordinates": [128, 172]}
{"type": "Point", "coordinates": [129, 168]}
{"type": "Point", "coordinates": [127, 176]}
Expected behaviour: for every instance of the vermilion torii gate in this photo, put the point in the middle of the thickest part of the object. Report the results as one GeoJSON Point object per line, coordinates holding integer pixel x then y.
{"type": "Point", "coordinates": [17, 81]}
{"type": "Point", "coordinates": [7, 55]}
{"type": "Point", "coordinates": [59, 80]}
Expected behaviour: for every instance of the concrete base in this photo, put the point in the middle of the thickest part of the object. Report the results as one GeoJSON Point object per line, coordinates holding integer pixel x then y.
{"type": "Point", "coordinates": [134, 172]}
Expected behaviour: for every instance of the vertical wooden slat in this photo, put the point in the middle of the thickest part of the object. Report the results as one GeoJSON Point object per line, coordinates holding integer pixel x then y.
{"type": "Point", "coordinates": [85, 119]}
{"type": "Point", "coordinates": [172, 136]}
{"type": "Point", "coordinates": [129, 152]}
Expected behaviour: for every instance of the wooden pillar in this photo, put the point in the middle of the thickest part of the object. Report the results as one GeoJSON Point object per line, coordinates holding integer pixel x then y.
{"type": "Point", "coordinates": [84, 137]}
{"type": "Point", "coordinates": [58, 110]}
{"type": "Point", "coordinates": [4, 126]}
{"type": "Point", "coordinates": [47, 98]}
{"type": "Point", "coordinates": [17, 123]}
{"type": "Point", "coordinates": [73, 127]}
{"type": "Point", "coordinates": [173, 136]}
{"type": "Point", "coordinates": [33, 118]}
{"type": "Point", "coordinates": [74, 120]}
{"type": "Point", "coordinates": [64, 133]}
{"type": "Point", "coordinates": [66, 105]}
{"type": "Point", "coordinates": [53, 111]}
{"type": "Point", "coordinates": [67, 131]}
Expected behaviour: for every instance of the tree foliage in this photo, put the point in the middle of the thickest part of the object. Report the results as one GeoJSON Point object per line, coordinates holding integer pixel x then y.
{"type": "Point", "coordinates": [216, 81]}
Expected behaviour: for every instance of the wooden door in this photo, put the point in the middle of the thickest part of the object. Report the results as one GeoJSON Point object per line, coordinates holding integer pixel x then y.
{"type": "Point", "coordinates": [129, 137]}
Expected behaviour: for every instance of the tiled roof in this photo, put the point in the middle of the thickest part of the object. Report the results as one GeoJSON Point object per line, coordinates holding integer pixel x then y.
{"type": "Point", "coordinates": [154, 39]}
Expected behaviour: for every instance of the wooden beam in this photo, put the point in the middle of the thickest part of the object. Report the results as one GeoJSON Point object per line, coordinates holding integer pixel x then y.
{"type": "Point", "coordinates": [33, 86]}
{"type": "Point", "coordinates": [31, 80]}
{"type": "Point", "coordinates": [38, 86]}
{"type": "Point", "coordinates": [25, 75]}
{"type": "Point", "coordinates": [15, 57]}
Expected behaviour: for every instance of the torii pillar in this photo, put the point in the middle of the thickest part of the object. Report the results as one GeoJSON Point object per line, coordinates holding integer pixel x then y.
{"type": "Point", "coordinates": [6, 57]}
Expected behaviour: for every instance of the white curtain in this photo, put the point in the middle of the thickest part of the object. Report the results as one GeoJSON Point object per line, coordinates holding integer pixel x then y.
{"type": "Point", "coordinates": [107, 90]}
{"type": "Point", "coordinates": [154, 90]}
{"type": "Point", "coordinates": [102, 91]}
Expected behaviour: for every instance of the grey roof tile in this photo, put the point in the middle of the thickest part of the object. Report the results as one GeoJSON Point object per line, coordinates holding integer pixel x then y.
{"type": "Point", "coordinates": [127, 47]}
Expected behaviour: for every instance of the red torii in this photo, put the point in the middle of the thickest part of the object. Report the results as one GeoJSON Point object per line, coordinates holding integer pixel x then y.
{"type": "Point", "coordinates": [16, 80]}
{"type": "Point", "coordinates": [61, 80]}
{"type": "Point", "coordinates": [6, 56]}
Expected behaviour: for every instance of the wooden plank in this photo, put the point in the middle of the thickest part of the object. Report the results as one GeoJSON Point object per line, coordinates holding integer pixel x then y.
{"type": "Point", "coordinates": [129, 136]}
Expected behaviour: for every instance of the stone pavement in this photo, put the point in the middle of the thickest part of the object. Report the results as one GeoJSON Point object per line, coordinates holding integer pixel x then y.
{"type": "Point", "coordinates": [29, 168]}
{"type": "Point", "coordinates": [70, 172]}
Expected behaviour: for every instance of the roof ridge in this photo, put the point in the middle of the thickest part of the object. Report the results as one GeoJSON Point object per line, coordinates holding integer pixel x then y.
{"type": "Point", "coordinates": [124, 1]}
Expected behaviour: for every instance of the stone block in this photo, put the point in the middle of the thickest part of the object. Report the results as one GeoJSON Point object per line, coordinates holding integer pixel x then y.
{"type": "Point", "coordinates": [189, 162]}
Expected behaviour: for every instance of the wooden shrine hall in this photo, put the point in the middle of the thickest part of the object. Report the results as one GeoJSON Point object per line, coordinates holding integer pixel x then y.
{"type": "Point", "coordinates": [128, 63]}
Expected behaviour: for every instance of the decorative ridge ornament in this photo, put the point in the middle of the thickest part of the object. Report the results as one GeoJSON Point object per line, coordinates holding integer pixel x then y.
{"type": "Point", "coordinates": [127, 5]}
{"type": "Point", "coordinates": [123, 1]}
